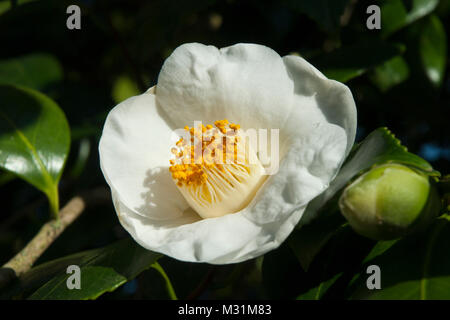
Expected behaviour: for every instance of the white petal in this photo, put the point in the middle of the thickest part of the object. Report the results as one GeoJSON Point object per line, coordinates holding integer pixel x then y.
{"type": "Point", "coordinates": [250, 85]}
{"type": "Point", "coordinates": [245, 83]}
{"type": "Point", "coordinates": [211, 240]}
{"type": "Point", "coordinates": [134, 157]}
{"type": "Point", "coordinates": [330, 104]}
{"type": "Point", "coordinates": [332, 99]}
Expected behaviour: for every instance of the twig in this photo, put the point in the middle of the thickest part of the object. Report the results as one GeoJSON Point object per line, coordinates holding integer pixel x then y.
{"type": "Point", "coordinates": [49, 232]}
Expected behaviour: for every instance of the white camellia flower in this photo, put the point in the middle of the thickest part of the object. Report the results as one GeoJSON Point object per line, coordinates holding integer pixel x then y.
{"type": "Point", "coordinates": [250, 85]}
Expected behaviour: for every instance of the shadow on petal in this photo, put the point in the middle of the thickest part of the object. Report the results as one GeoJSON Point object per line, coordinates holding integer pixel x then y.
{"type": "Point", "coordinates": [162, 200]}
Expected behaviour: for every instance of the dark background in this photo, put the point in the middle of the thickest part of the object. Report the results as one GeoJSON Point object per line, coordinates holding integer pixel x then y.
{"type": "Point", "coordinates": [118, 53]}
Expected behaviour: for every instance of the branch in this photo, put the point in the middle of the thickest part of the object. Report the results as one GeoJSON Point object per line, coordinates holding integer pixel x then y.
{"type": "Point", "coordinates": [49, 232]}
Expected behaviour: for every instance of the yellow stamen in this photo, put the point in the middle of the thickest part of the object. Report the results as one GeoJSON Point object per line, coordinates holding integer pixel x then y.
{"type": "Point", "coordinates": [214, 172]}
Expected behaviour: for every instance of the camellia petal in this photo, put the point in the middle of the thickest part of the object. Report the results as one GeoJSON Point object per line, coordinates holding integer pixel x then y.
{"type": "Point", "coordinates": [134, 131]}
{"type": "Point", "coordinates": [248, 84]}
{"type": "Point", "coordinates": [211, 240]}
{"type": "Point", "coordinates": [331, 98]}
{"type": "Point", "coordinates": [245, 83]}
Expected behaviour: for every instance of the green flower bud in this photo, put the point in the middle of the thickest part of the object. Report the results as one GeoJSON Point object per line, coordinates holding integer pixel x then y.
{"type": "Point", "coordinates": [389, 202]}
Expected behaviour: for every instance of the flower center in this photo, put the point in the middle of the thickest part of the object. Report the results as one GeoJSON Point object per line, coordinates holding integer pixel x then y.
{"type": "Point", "coordinates": [215, 169]}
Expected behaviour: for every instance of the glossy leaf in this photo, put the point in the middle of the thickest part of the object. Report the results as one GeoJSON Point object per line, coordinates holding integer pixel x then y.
{"type": "Point", "coordinates": [36, 71]}
{"type": "Point", "coordinates": [34, 139]}
{"type": "Point", "coordinates": [413, 268]}
{"type": "Point", "coordinates": [390, 73]}
{"type": "Point", "coordinates": [318, 292]}
{"type": "Point", "coordinates": [379, 248]}
{"type": "Point", "coordinates": [349, 62]}
{"type": "Point", "coordinates": [396, 14]}
{"type": "Point", "coordinates": [433, 50]}
{"type": "Point", "coordinates": [102, 270]}
{"type": "Point", "coordinates": [379, 147]}
{"type": "Point", "coordinates": [322, 217]}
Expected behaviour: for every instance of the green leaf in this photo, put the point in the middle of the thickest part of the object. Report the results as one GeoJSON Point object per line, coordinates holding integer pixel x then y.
{"type": "Point", "coordinates": [322, 217]}
{"type": "Point", "coordinates": [307, 241]}
{"type": "Point", "coordinates": [102, 270]}
{"type": "Point", "coordinates": [349, 62]}
{"type": "Point", "coordinates": [390, 73]}
{"type": "Point", "coordinates": [326, 13]}
{"type": "Point", "coordinates": [433, 50]}
{"type": "Point", "coordinates": [396, 14]}
{"type": "Point", "coordinates": [36, 71]}
{"type": "Point", "coordinates": [123, 88]}
{"type": "Point", "coordinates": [379, 248]}
{"type": "Point", "coordinates": [328, 275]}
{"type": "Point", "coordinates": [34, 139]}
{"type": "Point", "coordinates": [379, 147]}
{"type": "Point", "coordinates": [318, 292]}
{"type": "Point", "coordinates": [412, 268]}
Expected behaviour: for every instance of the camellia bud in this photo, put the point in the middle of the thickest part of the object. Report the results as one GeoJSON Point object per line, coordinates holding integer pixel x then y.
{"type": "Point", "coordinates": [389, 202]}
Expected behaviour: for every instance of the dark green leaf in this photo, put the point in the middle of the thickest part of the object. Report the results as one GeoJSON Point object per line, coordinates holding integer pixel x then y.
{"type": "Point", "coordinates": [328, 275]}
{"type": "Point", "coordinates": [349, 62]}
{"type": "Point", "coordinates": [379, 248]}
{"type": "Point", "coordinates": [318, 292]}
{"type": "Point", "coordinates": [390, 73]}
{"type": "Point", "coordinates": [102, 270]}
{"type": "Point", "coordinates": [433, 49]}
{"type": "Point", "coordinates": [35, 71]}
{"type": "Point", "coordinates": [412, 268]}
{"type": "Point", "coordinates": [379, 147]}
{"type": "Point", "coordinates": [307, 241]}
{"type": "Point", "coordinates": [187, 277]}
{"type": "Point", "coordinates": [322, 217]}
{"type": "Point", "coordinates": [396, 14]}
{"type": "Point", "coordinates": [34, 139]}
